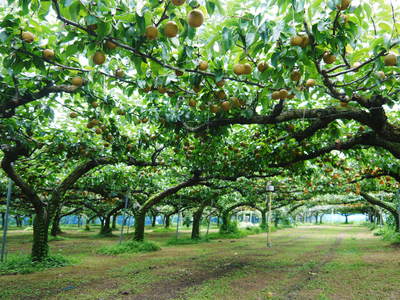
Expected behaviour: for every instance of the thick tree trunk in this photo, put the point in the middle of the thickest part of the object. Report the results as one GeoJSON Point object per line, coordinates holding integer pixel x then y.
{"type": "Point", "coordinates": [196, 223]}
{"type": "Point", "coordinates": [114, 222]}
{"type": "Point", "coordinates": [153, 220]}
{"type": "Point", "coordinates": [225, 222]}
{"type": "Point", "coordinates": [18, 220]}
{"type": "Point", "coordinates": [167, 221]}
{"type": "Point", "coordinates": [347, 219]}
{"type": "Point", "coordinates": [316, 219]}
{"type": "Point", "coordinates": [140, 218]}
{"type": "Point", "coordinates": [40, 246]}
{"type": "Point", "coordinates": [87, 226]}
{"type": "Point", "coordinates": [55, 227]}
{"type": "Point", "coordinates": [397, 222]}
{"type": "Point", "coordinates": [105, 226]}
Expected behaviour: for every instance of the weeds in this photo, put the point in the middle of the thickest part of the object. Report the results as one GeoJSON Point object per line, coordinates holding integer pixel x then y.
{"type": "Point", "coordinates": [388, 233]}
{"type": "Point", "coordinates": [187, 241]}
{"type": "Point", "coordinates": [25, 265]}
{"type": "Point", "coordinates": [129, 247]}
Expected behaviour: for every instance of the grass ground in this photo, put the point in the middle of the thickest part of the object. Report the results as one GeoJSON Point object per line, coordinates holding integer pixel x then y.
{"type": "Point", "coordinates": [307, 262]}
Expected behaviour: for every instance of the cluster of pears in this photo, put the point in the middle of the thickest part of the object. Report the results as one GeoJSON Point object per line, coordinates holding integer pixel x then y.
{"type": "Point", "coordinates": [242, 69]}
{"type": "Point", "coordinates": [281, 95]}
{"type": "Point", "coordinates": [301, 40]}
{"type": "Point", "coordinates": [98, 58]}
{"type": "Point", "coordinates": [195, 19]}
{"type": "Point", "coordinates": [329, 58]}
{"type": "Point", "coordinates": [225, 105]}
{"type": "Point", "coordinates": [246, 68]}
{"type": "Point", "coordinates": [100, 130]}
{"type": "Point", "coordinates": [29, 37]}
{"type": "Point", "coordinates": [295, 75]}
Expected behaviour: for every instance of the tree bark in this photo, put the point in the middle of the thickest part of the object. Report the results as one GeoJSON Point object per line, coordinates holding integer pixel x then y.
{"type": "Point", "coordinates": [18, 220]}
{"type": "Point", "coordinates": [384, 205]}
{"type": "Point", "coordinates": [140, 218]}
{"type": "Point", "coordinates": [153, 200]}
{"type": "Point", "coordinates": [167, 221]}
{"type": "Point", "coordinates": [40, 247]}
{"type": "Point", "coordinates": [114, 222]}
{"type": "Point", "coordinates": [87, 226]}
{"type": "Point", "coordinates": [225, 222]}
{"type": "Point", "coordinates": [105, 226]}
{"type": "Point", "coordinates": [153, 220]}
{"type": "Point", "coordinates": [55, 227]}
{"type": "Point", "coordinates": [196, 223]}
{"type": "Point", "coordinates": [316, 218]}
{"type": "Point", "coordinates": [263, 224]}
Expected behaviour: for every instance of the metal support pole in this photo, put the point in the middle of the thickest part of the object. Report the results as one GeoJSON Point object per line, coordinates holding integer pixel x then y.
{"type": "Point", "coordinates": [269, 245]}
{"type": "Point", "coordinates": [123, 218]}
{"type": "Point", "coordinates": [5, 228]}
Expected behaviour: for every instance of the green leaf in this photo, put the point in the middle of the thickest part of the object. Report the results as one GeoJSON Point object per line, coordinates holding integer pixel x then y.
{"type": "Point", "coordinates": [210, 6]}
{"type": "Point", "coordinates": [227, 41]}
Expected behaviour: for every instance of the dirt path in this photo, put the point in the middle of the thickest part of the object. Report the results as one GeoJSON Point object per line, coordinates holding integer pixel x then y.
{"type": "Point", "coordinates": [304, 279]}
{"type": "Point", "coordinates": [310, 262]}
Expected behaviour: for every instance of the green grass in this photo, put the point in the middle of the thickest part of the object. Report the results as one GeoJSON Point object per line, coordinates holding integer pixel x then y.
{"type": "Point", "coordinates": [303, 256]}
{"type": "Point", "coordinates": [186, 241]}
{"type": "Point", "coordinates": [233, 235]}
{"type": "Point", "coordinates": [163, 229]}
{"type": "Point", "coordinates": [24, 265]}
{"type": "Point", "coordinates": [57, 238]}
{"type": "Point", "coordinates": [129, 247]}
{"type": "Point", "coordinates": [387, 233]}
{"type": "Point", "coordinates": [240, 233]}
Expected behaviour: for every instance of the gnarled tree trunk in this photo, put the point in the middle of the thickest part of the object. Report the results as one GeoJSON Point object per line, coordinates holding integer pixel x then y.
{"type": "Point", "coordinates": [18, 220]}
{"type": "Point", "coordinates": [105, 226]}
{"type": "Point", "coordinates": [55, 227]}
{"type": "Point", "coordinates": [225, 218]}
{"type": "Point", "coordinates": [196, 222]}
{"type": "Point", "coordinates": [40, 247]}
{"type": "Point", "coordinates": [140, 218]}
{"type": "Point", "coordinates": [114, 222]}
{"type": "Point", "coordinates": [167, 221]}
